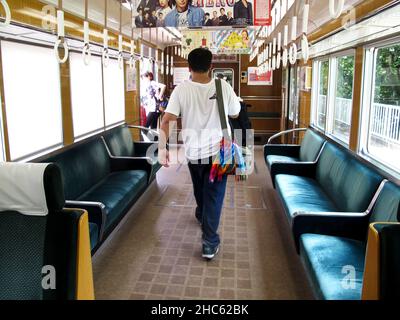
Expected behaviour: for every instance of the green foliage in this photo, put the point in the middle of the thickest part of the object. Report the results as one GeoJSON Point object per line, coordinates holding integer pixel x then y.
{"type": "Point", "coordinates": [324, 72]}
{"type": "Point", "coordinates": [345, 76]}
{"type": "Point", "coordinates": [387, 82]}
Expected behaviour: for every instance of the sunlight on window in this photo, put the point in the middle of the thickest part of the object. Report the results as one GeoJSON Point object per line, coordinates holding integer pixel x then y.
{"type": "Point", "coordinates": [34, 117]}
{"type": "Point", "coordinates": [114, 97]}
{"type": "Point", "coordinates": [86, 95]}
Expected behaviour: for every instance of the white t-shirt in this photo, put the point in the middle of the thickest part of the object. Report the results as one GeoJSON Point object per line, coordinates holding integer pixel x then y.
{"type": "Point", "coordinates": [201, 126]}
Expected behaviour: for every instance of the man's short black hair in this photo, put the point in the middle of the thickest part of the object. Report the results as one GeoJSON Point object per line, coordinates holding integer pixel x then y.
{"type": "Point", "coordinates": [200, 60]}
{"type": "Point", "coordinates": [207, 14]}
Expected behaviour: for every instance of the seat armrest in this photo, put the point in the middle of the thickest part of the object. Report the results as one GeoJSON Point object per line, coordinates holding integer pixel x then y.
{"type": "Point", "coordinates": [381, 280]}
{"type": "Point", "coordinates": [351, 225]}
{"type": "Point", "coordinates": [142, 147]}
{"type": "Point", "coordinates": [132, 163]}
{"type": "Point", "coordinates": [303, 169]}
{"type": "Point", "coordinates": [96, 212]}
{"type": "Point", "coordinates": [288, 150]}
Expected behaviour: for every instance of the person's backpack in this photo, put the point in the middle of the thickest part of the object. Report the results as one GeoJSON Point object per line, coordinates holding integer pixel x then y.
{"type": "Point", "coordinates": [242, 123]}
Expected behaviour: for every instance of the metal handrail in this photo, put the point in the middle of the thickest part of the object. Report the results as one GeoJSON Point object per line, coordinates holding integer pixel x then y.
{"type": "Point", "coordinates": [284, 133]}
{"type": "Point", "coordinates": [144, 128]}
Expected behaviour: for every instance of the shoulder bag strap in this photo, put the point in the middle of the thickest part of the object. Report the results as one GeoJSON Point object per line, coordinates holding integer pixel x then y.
{"type": "Point", "coordinates": [221, 108]}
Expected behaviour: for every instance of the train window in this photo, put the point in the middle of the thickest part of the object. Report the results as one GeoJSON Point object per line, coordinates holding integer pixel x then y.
{"type": "Point", "coordinates": [114, 98]}
{"type": "Point", "coordinates": [333, 99]}
{"type": "Point", "coordinates": [34, 118]}
{"type": "Point", "coordinates": [343, 103]}
{"type": "Point", "coordinates": [382, 142]}
{"type": "Point", "coordinates": [86, 95]}
{"type": "Point", "coordinates": [321, 96]}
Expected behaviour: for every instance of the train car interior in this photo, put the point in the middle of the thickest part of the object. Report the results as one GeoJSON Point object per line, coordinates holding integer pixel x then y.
{"type": "Point", "coordinates": [89, 209]}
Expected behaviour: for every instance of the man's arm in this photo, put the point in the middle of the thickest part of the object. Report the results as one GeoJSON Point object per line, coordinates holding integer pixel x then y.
{"type": "Point", "coordinates": [163, 153]}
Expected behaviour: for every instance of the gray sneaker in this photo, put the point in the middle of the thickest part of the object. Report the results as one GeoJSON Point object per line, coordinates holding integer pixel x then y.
{"type": "Point", "coordinates": [209, 252]}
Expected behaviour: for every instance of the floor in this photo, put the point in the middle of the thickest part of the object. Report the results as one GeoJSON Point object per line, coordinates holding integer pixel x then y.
{"type": "Point", "coordinates": [155, 252]}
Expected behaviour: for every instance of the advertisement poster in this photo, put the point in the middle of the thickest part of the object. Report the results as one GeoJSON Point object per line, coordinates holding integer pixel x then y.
{"type": "Point", "coordinates": [130, 79]}
{"type": "Point", "coordinates": [180, 75]}
{"type": "Point", "coordinates": [200, 13]}
{"type": "Point", "coordinates": [262, 12]}
{"type": "Point", "coordinates": [259, 80]}
{"type": "Point", "coordinates": [219, 42]}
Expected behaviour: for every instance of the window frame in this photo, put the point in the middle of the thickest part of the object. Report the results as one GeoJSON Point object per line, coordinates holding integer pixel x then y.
{"type": "Point", "coordinates": [88, 134]}
{"type": "Point", "coordinates": [119, 122]}
{"type": "Point", "coordinates": [50, 148]}
{"type": "Point", "coordinates": [331, 94]}
{"type": "Point", "coordinates": [367, 98]}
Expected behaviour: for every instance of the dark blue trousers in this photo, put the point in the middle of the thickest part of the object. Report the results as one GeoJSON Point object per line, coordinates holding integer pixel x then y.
{"type": "Point", "coordinates": [209, 199]}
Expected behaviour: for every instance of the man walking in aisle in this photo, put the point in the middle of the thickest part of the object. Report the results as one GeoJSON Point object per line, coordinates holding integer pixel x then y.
{"type": "Point", "coordinates": [195, 101]}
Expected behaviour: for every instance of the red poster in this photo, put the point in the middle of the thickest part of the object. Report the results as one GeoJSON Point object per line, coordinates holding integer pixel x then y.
{"type": "Point", "coordinates": [262, 12]}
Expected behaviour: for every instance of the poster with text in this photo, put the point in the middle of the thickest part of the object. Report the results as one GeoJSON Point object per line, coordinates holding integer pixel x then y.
{"type": "Point", "coordinates": [219, 42]}
{"type": "Point", "coordinates": [200, 13]}
{"type": "Point", "coordinates": [259, 80]}
{"type": "Point", "coordinates": [180, 75]}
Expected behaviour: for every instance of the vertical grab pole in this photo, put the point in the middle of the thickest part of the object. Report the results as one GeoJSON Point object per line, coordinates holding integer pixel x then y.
{"type": "Point", "coordinates": [304, 40]}
{"type": "Point", "coordinates": [86, 51]}
{"type": "Point", "coordinates": [120, 48]}
{"type": "Point", "coordinates": [105, 56]}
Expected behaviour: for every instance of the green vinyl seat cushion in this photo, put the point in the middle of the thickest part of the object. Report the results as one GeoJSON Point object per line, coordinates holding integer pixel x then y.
{"type": "Point", "coordinates": [117, 192]}
{"type": "Point", "coordinates": [302, 194]}
{"type": "Point", "coordinates": [327, 260]}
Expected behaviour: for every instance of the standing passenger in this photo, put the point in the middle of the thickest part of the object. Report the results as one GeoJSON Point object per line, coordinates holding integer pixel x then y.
{"type": "Point", "coordinates": [154, 93]}
{"type": "Point", "coordinates": [196, 101]}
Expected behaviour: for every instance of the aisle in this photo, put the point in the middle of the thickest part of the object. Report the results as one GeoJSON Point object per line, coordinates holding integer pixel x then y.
{"type": "Point", "coordinates": [155, 253]}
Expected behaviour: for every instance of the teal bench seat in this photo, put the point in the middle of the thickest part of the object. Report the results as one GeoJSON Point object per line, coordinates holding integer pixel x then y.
{"type": "Point", "coordinates": [337, 182]}
{"type": "Point", "coordinates": [335, 262]}
{"type": "Point", "coordinates": [307, 151]}
{"type": "Point", "coordinates": [104, 186]}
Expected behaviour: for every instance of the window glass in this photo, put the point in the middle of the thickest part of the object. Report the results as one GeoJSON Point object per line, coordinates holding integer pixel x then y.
{"type": "Point", "coordinates": [114, 98]}
{"type": "Point", "coordinates": [32, 97]}
{"type": "Point", "coordinates": [322, 98]}
{"type": "Point", "coordinates": [86, 95]}
{"type": "Point", "coordinates": [384, 125]}
{"type": "Point", "coordinates": [343, 98]}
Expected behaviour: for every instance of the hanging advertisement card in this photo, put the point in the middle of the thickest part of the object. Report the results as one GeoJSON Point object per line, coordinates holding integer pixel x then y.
{"type": "Point", "coordinates": [259, 80]}
{"type": "Point", "coordinates": [262, 12]}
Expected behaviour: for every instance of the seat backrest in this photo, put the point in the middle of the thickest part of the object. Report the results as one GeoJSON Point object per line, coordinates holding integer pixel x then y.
{"type": "Point", "coordinates": [348, 182]}
{"type": "Point", "coordinates": [387, 205]}
{"type": "Point", "coordinates": [25, 221]}
{"type": "Point", "coordinates": [311, 146]}
{"type": "Point", "coordinates": [82, 166]}
{"type": "Point", "coordinates": [119, 142]}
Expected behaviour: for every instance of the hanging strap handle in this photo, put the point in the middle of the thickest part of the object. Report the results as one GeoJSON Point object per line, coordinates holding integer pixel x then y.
{"type": "Point", "coordinates": [221, 109]}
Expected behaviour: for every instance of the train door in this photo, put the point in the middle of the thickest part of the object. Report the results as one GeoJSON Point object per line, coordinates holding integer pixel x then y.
{"type": "Point", "coordinates": [292, 119]}
{"type": "Point", "coordinates": [285, 101]}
